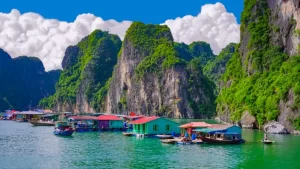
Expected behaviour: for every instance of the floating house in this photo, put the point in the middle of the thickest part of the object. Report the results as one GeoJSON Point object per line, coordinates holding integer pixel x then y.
{"type": "Point", "coordinates": [84, 123]}
{"type": "Point", "coordinates": [154, 125]}
{"type": "Point", "coordinates": [110, 122]}
{"type": "Point", "coordinates": [26, 116]}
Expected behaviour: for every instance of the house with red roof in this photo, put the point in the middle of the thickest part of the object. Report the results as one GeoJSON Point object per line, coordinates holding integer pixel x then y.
{"type": "Point", "coordinates": [154, 125]}
{"type": "Point", "coordinates": [110, 122]}
{"type": "Point", "coordinates": [189, 127]}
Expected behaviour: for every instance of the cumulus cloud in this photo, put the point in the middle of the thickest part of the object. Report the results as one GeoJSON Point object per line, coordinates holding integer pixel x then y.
{"type": "Point", "coordinates": [213, 25]}
{"type": "Point", "coordinates": [30, 34]}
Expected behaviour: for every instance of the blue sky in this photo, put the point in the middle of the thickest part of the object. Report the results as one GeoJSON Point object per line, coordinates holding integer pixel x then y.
{"type": "Point", "coordinates": [154, 11]}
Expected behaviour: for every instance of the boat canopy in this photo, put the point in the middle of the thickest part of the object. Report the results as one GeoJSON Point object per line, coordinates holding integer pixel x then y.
{"type": "Point", "coordinates": [207, 130]}
{"type": "Point", "coordinates": [229, 130]}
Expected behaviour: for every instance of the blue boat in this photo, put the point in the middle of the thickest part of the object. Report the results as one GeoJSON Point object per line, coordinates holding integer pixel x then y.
{"type": "Point", "coordinates": [63, 129]}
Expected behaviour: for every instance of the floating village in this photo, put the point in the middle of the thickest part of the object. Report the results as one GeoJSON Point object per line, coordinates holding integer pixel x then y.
{"type": "Point", "coordinates": [132, 125]}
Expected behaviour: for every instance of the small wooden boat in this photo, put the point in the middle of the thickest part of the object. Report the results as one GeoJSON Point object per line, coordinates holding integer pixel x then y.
{"type": "Point", "coordinates": [127, 134]}
{"type": "Point", "coordinates": [169, 141]}
{"type": "Point", "coordinates": [267, 141]}
{"type": "Point", "coordinates": [185, 142]}
{"type": "Point", "coordinates": [65, 132]}
{"type": "Point", "coordinates": [221, 141]}
{"type": "Point", "coordinates": [63, 129]}
{"type": "Point", "coordinates": [163, 136]}
{"type": "Point", "coordinates": [42, 123]}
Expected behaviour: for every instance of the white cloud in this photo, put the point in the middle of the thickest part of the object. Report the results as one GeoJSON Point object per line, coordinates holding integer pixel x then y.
{"type": "Point", "coordinates": [213, 25]}
{"type": "Point", "coordinates": [32, 35]}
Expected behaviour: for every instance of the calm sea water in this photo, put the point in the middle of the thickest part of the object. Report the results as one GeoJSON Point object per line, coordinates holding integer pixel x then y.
{"type": "Point", "coordinates": [24, 147]}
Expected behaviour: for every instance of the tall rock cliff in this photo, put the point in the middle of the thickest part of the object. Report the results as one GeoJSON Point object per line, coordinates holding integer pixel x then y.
{"type": "Point", "coordinates": [87, 66]}
{"type": "Point", "coordinates": [23, 82]}
{"type": "Point", "coordinates": [152, 79]}
{"type": "Point", "coordinates": [262, 78]}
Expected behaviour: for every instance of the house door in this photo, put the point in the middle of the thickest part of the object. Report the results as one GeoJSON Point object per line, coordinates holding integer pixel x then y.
{"type": "Point", "coordinates": [144, 128]}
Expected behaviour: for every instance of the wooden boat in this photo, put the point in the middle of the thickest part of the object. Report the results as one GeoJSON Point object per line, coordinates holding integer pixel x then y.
{"type": "Point", "coordinates": [42, 123]}
{"type": "Point", "coordinates": [63, 129]}
{"type": "Point", "coordinates": [127, 134]}
{"type": "Point", "coordinates": [185, 142]}
{"type": "Point", "coordinates": [65, 132]}
{"type": "Point", "coordinates": [267, 141]}
{"type": "Point", "coordinates": [221, 141]}
{"type": "Point", "coordinates": [169, 141]}
{"type": "Point", "coordinates": [163, 136]}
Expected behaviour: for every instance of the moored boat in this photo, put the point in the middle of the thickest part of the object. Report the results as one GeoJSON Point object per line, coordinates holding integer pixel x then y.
{"type": "Point", "coordinates": [220, 134]}
{"type": "Point", "coordinates": [63, 129]}
{"type": "Point", "coordinates": [221, 140]}
{"type": "Point", "coordinates": [127, 133]}
{"type": "Point", "coordinates": [164, 136]}
{"type": "Point", "coordinates": [267, 141]}
{"type": "Point", "coordinates": [185, 142]}
{"type": "Point", "coordinates": [42, 123]}
{"type": "Point", "coordinates": [169, 141]}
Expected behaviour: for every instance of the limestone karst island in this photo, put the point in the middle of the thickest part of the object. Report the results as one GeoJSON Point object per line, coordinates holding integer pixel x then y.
{"type": "Point", "coordinates": [193, 84]}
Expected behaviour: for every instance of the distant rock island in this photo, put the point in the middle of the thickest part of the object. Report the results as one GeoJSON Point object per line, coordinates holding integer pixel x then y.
{"type": "Point", "coordinates": [24, 82]}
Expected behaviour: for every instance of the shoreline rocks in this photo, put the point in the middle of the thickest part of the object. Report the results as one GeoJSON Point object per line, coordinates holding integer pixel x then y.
{"type": "Point", "coordinates": [248, 121]}
{"type": "Point", "coordinates": [274, 127]}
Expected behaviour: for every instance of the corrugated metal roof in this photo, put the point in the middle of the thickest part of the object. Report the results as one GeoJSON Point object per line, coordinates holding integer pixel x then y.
{"type": "Point", "coordinates": [29, 113]}
{"type": "Point", "coordinates": [144, 120]}
{"type": "Point", "coordinates": [108, 117]}
{"type": "Point", "coordinates": [195, 125]}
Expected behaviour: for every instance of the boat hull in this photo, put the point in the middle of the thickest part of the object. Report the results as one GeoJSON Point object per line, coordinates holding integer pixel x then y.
{"type": "Point", "coordinates": [165, 136]}
{"type": "Point", "coordinates": [63, 133]}
{"type": "Point", "coordinates": [34, 123]}
{"type": "Point", "coordinates": [214, 141]}
{"type": "Point", "coordinates": [267, 141]}
{"type": "Point", "coordinates": [127, 134]}
{"type": "Point", "coordinates": [185, 143]}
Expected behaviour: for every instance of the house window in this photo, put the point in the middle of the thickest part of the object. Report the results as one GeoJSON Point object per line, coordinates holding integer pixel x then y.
{"type": "Point", "coordinates": [168, 127]}
{"type": "Point", "coordinates": [155, 127]}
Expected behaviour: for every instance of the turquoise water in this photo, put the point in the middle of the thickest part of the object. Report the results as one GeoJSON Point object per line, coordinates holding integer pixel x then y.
{"type": "Point", "coordinates": [24, 146]}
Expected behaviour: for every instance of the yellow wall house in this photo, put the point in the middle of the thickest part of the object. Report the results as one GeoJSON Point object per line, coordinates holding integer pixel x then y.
{"type": "Point", "coordinates": [154, 125]}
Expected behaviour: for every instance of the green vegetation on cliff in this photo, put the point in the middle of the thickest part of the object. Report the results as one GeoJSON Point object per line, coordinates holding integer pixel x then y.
{"type": "Point", "coordinates": [89, 74]}
{"type": "Point", "coordinates": [198, 81]}
{"type": "Point", "coordinates": [199, 50]}
{"type": "Point", "coordinates": [157, 42]}
{"type": "Point", "coordinates": [215, 69]}
{"type": "Point", "coordinates": [265, 76]}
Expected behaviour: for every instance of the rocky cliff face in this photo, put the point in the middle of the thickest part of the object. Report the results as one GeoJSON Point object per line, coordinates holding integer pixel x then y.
{"type": "Point", "coordinates": [261, 79]}
{"type": "Point", "coordinates": [87, 66]}
{"type": "Point", "coordinates": [23, 82]}
{"type": "Point", "coordinates": [152, 79]}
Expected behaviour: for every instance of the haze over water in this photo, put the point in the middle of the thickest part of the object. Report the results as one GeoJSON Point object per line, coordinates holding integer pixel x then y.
{"type": "Point", "coordinates": [24, 146]}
